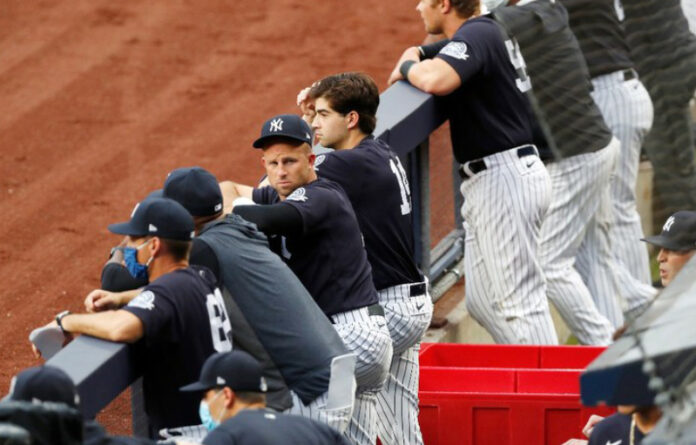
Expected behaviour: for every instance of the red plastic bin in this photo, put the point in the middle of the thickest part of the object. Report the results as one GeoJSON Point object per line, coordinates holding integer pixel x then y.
{"type": "Point", "coordinates": [502, 394]}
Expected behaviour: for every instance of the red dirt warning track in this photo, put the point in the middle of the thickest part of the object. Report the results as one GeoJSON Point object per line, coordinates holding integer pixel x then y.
{"type": "Point", "coordinates": [101, 99]}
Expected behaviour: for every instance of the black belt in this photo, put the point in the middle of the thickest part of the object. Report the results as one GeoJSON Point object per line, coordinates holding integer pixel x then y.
{"type": "Point", "coordinates": [479, 165]}
{"type": "Point", "coordinates": [418, 289]}
{"type": "Point", "coordinates": [628, 74]}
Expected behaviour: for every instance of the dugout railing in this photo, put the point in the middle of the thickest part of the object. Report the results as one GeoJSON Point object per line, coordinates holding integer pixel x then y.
{"type": "Point", "coordinates": [406, 118]}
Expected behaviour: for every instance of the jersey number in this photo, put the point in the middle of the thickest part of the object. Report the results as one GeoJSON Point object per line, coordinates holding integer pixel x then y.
{"type": "Point", "coordinates": [400, 174]}
{"type": "Point", "coordinates": [523, 82]}
{"type": "Point", "coordinates": [220, 326]}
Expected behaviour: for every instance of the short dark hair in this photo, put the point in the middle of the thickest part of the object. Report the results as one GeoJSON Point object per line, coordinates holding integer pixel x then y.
{"type": "Point", "coordinates": [348, 92]}
{"type": "Point", "coordinates": [179, 250]}
{"type": "Point", "coordinates": [249, 397]}
{"type": "Point", "coordinates": [464, 8]}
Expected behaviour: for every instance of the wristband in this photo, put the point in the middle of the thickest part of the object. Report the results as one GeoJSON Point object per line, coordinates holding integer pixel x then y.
{"type": "Point", "coordinates": [406, 67]}
{"type": "Point", "coordinates": [59, 320]}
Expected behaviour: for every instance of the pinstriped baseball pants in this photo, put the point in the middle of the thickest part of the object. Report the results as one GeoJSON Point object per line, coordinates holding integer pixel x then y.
{"type": "Point", "coordinates": [397, 404]}
{"type": "Point", "coordinates": [368, 338]}
{"type": "Point", "coordinates": [627, 110]}
{"type": "Point", "coordinates": [504, 207]}
{"type": "Point", "coordinates": [578, 183]}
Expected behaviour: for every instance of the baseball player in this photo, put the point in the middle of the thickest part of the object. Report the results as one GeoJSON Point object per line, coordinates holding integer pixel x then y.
{"type": "Point", "coordinates": [299, 360]}
{"type": "Point", "coordinates": [664, 52]}
{"type": "Point", "coordinates": [233, 407]}
{"type": "Point", "coordinates": [506, 187]}
{"type": "Point", "coordinates": [579, 219]}
{"type": "Point", "coordinates": [180, 315]}
{"type": "Point", "coordinates": [315, 230]}
{"type": "Point", "coordinates": [627, 111]}
{"type": "Point", "coordinates": [341, 109]}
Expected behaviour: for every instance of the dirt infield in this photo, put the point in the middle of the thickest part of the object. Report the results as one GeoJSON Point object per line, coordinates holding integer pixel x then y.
{"type": "Point", "coordinates": [100, 99]}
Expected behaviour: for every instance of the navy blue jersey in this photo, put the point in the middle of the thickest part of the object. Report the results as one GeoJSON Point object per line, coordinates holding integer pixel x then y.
{"type": "Point", "coordinates": [328, 256]}
{"type": "Point", "coordinates": [265, 427]}
{"type": "Point", "coordinates": [488, 113]}
{"type": "Point", "coordinates": [615, 429]}
{"type": "Point", "coordinates": [376, 184]}
{"type": "Point", "coordinates": [184, 322]}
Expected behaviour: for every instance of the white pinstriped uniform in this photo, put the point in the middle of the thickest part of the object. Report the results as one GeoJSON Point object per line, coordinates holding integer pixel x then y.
{"type": "Point", "coordinates": [579, 215]}
{"type": "Point", "coordinates": [504, 207]}
{"type": "Point", "coordinates": [408, 317]}
{"type": "Point", "coordinates": [628, 112]}
{"type": "Point", "coordinates": [368, 338]}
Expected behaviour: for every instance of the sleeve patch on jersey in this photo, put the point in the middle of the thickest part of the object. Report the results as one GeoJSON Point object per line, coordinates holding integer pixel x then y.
{"type": "Point", "coordinates": [146, 300]}
{"type": "Point", "coordinates": [458, 50]}
{"type": "Point", "coordinates": [318, 161]}
{"type": "Point", "coordinates": [298, 195]}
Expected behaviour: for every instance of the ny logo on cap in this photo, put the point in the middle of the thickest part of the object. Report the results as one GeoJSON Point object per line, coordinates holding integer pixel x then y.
{"type": "Point", "coordinates": [668, 224]}
{"type": "Point", "coordinates": [220, 381]}
{"type": "Point", "coordinates": [276, 125]}
{"type": "Point", "coordinates": [152, 228]}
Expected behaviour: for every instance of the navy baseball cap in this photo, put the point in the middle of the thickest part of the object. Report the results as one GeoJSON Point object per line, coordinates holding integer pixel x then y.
{"type": "Point", "coordinates": [237, 370]}
{"type": "Point", "coordinates": [196, 189]}
{"type": "Point", "coordinates": [160, 217]}
{"type": "Point", "coordinates": [290, 126]}
{"type": "Point", "coordinates": [45, 384]}
{"type": "Point", "coordinates": [678, 232]}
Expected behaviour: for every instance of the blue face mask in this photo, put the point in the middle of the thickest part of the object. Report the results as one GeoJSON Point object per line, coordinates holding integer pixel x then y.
{"type": "Point", "coordinates": [204, 413]}
{"type": "Point", "coordinates": [130, 258]}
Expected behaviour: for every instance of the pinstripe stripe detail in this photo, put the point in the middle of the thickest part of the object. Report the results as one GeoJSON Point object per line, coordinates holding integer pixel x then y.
{"type": "Point", "coordinates": [397, 404]}
{"type": "Point", "coordinates": [627, 110]}
{"type": "Point", "coordinates": [337, 419]}
{"type": "Point", "coordinates": [504, 206]}
{"type": "Point", "coordinates": [368, 337]}
{"type": "Point", "coordinates": [578, 181]}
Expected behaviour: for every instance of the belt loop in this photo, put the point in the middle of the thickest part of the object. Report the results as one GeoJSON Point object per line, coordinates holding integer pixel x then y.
{"type": "Point", "coordinates": [467, 169]}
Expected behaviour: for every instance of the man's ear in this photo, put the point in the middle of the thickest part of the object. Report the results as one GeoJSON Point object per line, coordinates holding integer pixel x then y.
{"type": "Point", "coordinates": [312, 157]}
{"type": "Point", "coordinates": [353, 119]}
{"type": "Point", "coordinates": [155, 246]}
{"type": "Point", "coordinates": [229, 397]}
{"type": "Point", "coordinates": [445, 6]}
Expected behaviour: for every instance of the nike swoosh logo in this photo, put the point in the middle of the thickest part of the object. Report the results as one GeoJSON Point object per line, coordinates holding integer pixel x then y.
{"type": "Point", "coordinates": [618, 442]}
{"type": "Point", "coordinates": [419, 306]}
{"type": "Point", "coordinates": [530, 164]}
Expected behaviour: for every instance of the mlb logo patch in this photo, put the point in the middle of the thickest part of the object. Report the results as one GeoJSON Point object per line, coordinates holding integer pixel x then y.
{"type": "Point", "coordinates": [298, 195]}
{"type": "Point", "coordinates": [458, 50]}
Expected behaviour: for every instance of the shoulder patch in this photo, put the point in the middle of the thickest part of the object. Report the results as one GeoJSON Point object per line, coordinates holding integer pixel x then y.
{"type": "Point", "coordinates": [318, 161]}
{"type": "Point", "coordinates": [145, 300]}
{"type": "Point", "coordinates": [299, 194]}
{"type": "Point", "coordinates": [458, 50]}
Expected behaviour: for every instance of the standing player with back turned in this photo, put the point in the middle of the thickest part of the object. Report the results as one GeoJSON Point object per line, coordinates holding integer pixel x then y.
{"type": "Point", "coordinates": [506, 186]}
{"type": "Point", "coordinates": [342, 111]}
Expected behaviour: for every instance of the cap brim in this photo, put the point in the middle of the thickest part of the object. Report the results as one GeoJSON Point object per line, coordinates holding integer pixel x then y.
{"type": "Point", "coordinates": [195, 386]}
{"type": "Point", "coordinates": [665, 243]}
{"type": "Point", "coordinates": [260, 142]}
{"type": "Point", "coordinates": [125, 228]}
